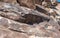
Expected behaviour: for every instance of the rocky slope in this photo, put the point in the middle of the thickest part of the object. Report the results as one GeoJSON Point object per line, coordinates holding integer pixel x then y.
{"type": "Point", "coordinates": [21, 22]}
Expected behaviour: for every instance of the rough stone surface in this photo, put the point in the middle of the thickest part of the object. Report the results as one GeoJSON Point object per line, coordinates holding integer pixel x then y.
{"type": "Point", "coordinates": [9, 1]}
{"type": "Point", "coordinates": [21, 22]}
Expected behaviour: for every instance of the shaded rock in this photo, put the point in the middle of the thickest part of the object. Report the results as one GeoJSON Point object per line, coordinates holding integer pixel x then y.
{"type": "Point", "coordinates": [22, 14]}
{"type": "Point", "coordinates": [27, 3]}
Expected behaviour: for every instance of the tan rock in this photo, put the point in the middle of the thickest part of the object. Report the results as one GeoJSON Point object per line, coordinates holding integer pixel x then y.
{"type": "Point", "coordinates": [9, 1]}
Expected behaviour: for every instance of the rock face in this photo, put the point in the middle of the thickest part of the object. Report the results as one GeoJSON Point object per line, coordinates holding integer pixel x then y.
{"type": "Point", "coordinates": [22, 14]}
{"type": "Point", "coordinates": [27, 3]}
{"type": "Point", "coordinates": [9, 1]}
{"type": "Point", "coordinates": [22, 22]}
{"type": "Point", "coordinates": [13, 29]}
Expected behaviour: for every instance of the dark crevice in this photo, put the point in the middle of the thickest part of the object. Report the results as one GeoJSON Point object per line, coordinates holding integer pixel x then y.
{"type": "Point", "coordinates": [17, 31]}
{"type": "Point", "coordinates": [32, 19]}
{"type": "Point", "coordinates": [29, 19]}
{"type": "Point", "coordinates": [40, 9]}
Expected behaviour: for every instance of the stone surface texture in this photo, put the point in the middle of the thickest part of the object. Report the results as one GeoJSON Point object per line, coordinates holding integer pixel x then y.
{"type": "Point", "coordinates": [22, 22]}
